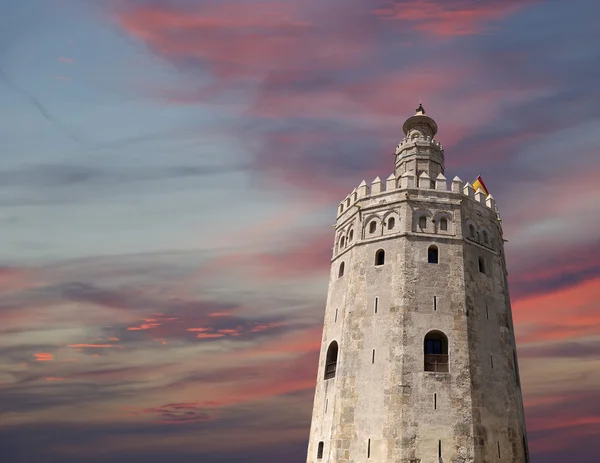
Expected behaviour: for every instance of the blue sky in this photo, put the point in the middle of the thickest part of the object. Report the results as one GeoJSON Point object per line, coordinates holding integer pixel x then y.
{"type": "Point", "coordinates": [170, 171]}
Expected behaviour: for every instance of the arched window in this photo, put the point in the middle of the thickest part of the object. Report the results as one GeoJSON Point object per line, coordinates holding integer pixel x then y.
{"type": "Point", "coordinates": [348, 202]}
{"type": "Point", "coordinates": [351, 236]}
{"type": "Point", "coordinates": [422, 222]}
{"type": "Point", "coordinates": [481, 261]}
{"type": "Point", "coordinates": [341, 272]}
{"type": "Point", "coordinates": [380, 257]}
{"type": "Point", "coordinates": [472, 231]}
{"type": "Point", "coordinates": [331, 360]}
{"type": "Point", "coordinates": [354, 197]}
{"type": "Point", "coordinates": [485, 237]}
{"type": "Point", "coordinates": [432, 254]}
{"type": "Point", "coordinates": [372, 226]}
{"type": "Point", "coordinates": [391, 223]}
{"type": "Point", "coordinates": [343, 242]}
{"type": "Point", "coordinates": [435, 351]}
{"type": "Point", "coordinates": [443, 224]}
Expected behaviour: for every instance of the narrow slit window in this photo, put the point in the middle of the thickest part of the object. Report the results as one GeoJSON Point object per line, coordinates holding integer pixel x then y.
{"type": "Point", "coordinates": [481, 262]}
{"type": "Point", "coordinates": [343, 242]}
{"type": "Point", "coordinates": [472, 231]}
{"type": "Point", "coordinates": [492, 361]}
{"type": "Point", "coordinates": [341, 272]}
{"type": "Point", "coordinates": [435, 401]}
{"type": "Point", "coordinates": [373, 357]}
{"type": "Point", "coordinates": [391, 223]}
{"type": "Point", "coordinates": [499, 450]}
{"type": "Point", "coordinates": [326, 403]}
{"type": "Point", "coordinates": [320, 451]}
{"type": "Point", "coordinates": [369, 449]}
{"type": "Point", "coordinates": [422, 222]}
{"type": "Point", "coordinates": [485, 237]}
{"type": "Point", "coordinates": [432, 255]}
{"type": "Point", "coordinates": [372, 226]}
{"type": "Point", "coordinates": [440, 449]}
{"type": "Point", "coordinates": [376, 304]}
{"type": "Point", "coordinates": [350, 236]}
{"type": "Point", "coordinates": [487, 312]}
{"type": "Point", "coordinates": [336, 312]}
{"type": "Point", "coordinates": [435, 303]}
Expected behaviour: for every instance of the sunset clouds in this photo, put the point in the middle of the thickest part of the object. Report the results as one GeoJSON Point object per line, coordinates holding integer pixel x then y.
{"type": "Point", "coordinates": [170, 175]}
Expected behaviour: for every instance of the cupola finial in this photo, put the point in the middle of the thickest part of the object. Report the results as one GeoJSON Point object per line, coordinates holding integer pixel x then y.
{"type": "Point", "coordinates": [420, 109]}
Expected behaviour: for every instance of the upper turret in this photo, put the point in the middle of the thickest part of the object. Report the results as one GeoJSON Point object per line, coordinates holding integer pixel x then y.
{"type": "Point", "coordinates": [419, 151]}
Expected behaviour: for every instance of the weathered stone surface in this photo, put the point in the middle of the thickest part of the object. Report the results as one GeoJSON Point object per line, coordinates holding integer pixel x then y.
{"type": "Point", "coordinates": [381, 402]}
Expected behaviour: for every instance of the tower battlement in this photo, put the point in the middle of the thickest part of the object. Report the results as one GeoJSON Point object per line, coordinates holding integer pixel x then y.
{"type": "Point", "coordinates": [408, 183]}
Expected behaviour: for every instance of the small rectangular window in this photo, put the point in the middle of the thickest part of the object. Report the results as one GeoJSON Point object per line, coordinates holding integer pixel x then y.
{"type": "Point", "coordinates": [320, 451]}
{"type": "Point", "coordinates": [373, 357]}
{"type": "Point", "coordinates": [435, 401]}
{"type": "Point", "coordinates": [481, 261]}
{"type": "Point", "coordinates": [376, 304]}
{"type": "Point", "coordinates": [435, 303]}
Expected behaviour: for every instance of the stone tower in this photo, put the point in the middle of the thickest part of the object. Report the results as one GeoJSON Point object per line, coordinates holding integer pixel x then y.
{"type": "Point", "coordinates": [418, 361]}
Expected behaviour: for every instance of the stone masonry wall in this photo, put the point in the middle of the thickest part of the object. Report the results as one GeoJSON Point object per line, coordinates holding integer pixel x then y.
{"type": "Point", "coordinates": [382, 406]}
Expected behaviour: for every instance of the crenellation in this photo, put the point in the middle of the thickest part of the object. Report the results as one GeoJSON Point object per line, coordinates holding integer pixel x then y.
{"type": "Point", "coordinates": [469, 191]}
{"type": "Point", "coordinates": [440, 183]}
{"type": "Point", "coordinates": [390, 183]}
{"type": "Point", "coordinates": [424, 181]}
{"type": "Point", "coordinates": [363, 190]}
{"type": "Point", "coordinates": [480, 196]}
{"type": "Point", "coordinates": [457, 185]}
{"type": "Point", "coordinates": [407, 180]}
{"type": "Point", "coordinates": [376, 186]}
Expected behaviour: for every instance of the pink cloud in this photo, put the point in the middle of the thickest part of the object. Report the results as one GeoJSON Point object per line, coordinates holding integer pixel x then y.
{"type": "Point", "coordinates": [94, 346]}
{"type": "Point", "coordinates": [143, 326]}
{"type": "Point", "coordinates": [558, 315]}
{"type": "Point", "coordinates": [43, 357]}
{"type": "Point", "coordinates": [65, 60]}
{"type": "Point", "coordinates": [209, 335]}
{"type": "Point", "coordinates": [447, 17]}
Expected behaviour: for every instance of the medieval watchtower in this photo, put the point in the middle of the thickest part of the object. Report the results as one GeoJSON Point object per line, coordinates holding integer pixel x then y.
{"type": "Point", "coordinates": [418, 361]}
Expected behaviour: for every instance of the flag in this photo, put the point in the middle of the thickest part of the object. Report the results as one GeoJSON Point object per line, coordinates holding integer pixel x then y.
{"type": "Point", "coordinates": [478, 183]}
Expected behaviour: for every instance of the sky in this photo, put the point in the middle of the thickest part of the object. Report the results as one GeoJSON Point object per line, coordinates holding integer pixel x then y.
{"type": "Point", "coordinates": [170, 170]}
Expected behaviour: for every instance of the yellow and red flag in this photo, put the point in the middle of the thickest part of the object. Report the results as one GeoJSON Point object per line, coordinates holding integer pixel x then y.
{"type": "Point", "coordinates": [478, 183]}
